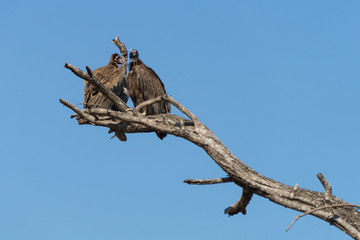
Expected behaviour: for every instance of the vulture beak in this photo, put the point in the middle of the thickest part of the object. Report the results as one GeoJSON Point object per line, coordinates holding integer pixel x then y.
{"type": "Point", "coordinates": [121, 61]}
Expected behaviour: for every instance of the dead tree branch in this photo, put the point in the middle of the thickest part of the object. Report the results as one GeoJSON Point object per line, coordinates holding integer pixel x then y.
{"type": "Point", "coordinates": [148, 102]}
{"type": "Point", "coordinates": [124, 56]}
{"type": "Point", "coordinates": [122, 47]}
{"type": "Point", "coordinates": [325, 206]}
{"type": "Point", "coordinates": [240, 205]}
{"type": "Point", "coordinates": [115, 120]}
{"type": "Point", "coordinates": [326, 185]}
{"type": "Point", "coordinates": [207, 181]}
{"type": "Point", "coordinates": [83, 115]}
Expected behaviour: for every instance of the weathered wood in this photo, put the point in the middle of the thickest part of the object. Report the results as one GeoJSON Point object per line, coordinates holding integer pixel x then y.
{"type": "Point", "coordinates": [348, 218]}
{"type": "Point", "coordinates": [344, 216]}
{"type": "Point", "coordinates": [122, 47]}
{"type": "Point", "coordinates": [207, 181]}
{"type": "Point", "coordinates": [323, 207]}
{"type": "Point", "coordinates": [326, 185]}
{"type": "Point", "coordinates": [241, 204]}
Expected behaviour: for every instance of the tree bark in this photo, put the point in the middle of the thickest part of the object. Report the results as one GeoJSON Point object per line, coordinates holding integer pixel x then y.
{"type": "Point", "coordinates": [325, 206]}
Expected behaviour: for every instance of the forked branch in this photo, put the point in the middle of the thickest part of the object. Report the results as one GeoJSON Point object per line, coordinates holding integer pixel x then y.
{"type": "Point", "coordinates": [321, 205]}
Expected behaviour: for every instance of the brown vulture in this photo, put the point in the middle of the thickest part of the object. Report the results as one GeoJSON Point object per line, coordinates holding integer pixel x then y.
{"type": "Point", "coordinates": [144, 84]}
{"type": "Point", "coordinates": [113, 77]}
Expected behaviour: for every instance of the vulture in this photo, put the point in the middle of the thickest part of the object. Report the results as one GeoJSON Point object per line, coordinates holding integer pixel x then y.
{"type": "Point", "coordinates": [113, 77]}
{"type": "Point", "coordinates": [144, 84]}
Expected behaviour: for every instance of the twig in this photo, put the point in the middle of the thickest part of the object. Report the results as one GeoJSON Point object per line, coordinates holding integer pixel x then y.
{"type": "Point", "coordinates": [292, 194]}
{"type": "Point", "coordinates": [119, 128]}
{"type": "Point", "coordinates": [87, 117]}
{"type": "Point", "coordinates": [320, 208]}
{"type": "Point", "coordinates": [121, 47]}
{"type": "Point", "coordinates": [90, 118]}
{"type": "Point", "coordinates": [89, 71]}
{"type": "Point", "coordinates": [98, 85]}
{"type": "Point", "coordinates": [124, 56]}
{"type": "Point", "coordinates": [173, 102]}
{"type": "Point", "coordinates": [326, 185]}
{"type": "Point", "coordinates": [148, 102]}
{"type": "Point", "coordinates": [207, 181]}
{"type": "Point", "coordinates": [183, 109]}
{"type": "Point", "coordinates": [241, 204]}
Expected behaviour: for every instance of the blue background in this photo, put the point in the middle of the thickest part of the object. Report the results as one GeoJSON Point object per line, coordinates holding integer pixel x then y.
{"type": "Point", "coordinates": [276, 81]}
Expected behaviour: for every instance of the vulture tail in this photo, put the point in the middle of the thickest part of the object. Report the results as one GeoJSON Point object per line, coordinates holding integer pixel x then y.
{"type": "Point", "coordinates": [161, 135]}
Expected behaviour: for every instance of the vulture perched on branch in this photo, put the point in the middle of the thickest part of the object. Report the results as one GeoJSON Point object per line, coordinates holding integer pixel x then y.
{"type": "Point", "coordinates": [113, 77]}
{"type": "Point", "coordinates": [144, 84]}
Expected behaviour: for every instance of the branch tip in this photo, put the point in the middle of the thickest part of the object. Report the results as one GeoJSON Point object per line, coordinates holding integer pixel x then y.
{"type": "Point", "coordinates": [326, 185]}
{"type": "Point", "coordinates": [89, 71]}
{"type": "Point", "coordinates": [320, 208]}
{"type": "Point", "coordinates": [292, 194]}
{"type": "Point", "coordinates": [240, 205]}
{"type": "Point", "coordinates": [207, 181]}
{"type": "Point", "coordinates": [116, 39]}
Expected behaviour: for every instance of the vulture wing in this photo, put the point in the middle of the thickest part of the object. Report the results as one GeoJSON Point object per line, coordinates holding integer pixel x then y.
{"type": "Point", "coordinates": [113, 78]}
{"type": "Point", "coordinates": [145, 84]}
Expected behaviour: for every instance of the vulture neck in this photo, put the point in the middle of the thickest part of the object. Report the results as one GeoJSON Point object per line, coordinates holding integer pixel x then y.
{"type": "Point", "coordinates": [135, 62]}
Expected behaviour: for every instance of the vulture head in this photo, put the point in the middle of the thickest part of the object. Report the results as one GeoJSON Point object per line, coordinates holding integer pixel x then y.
{"type": "Point", "coordinates": [116, 59]}
{"type": "Point", "coordinates": [134, 55]}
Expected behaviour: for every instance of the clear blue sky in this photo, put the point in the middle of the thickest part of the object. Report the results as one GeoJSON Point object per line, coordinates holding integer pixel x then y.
{"type": "Point", "coordinates": [277, 81]}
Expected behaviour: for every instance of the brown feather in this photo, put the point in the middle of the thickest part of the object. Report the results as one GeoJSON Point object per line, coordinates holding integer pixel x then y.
{"type": "Point", "coordinates": [113, 77]}
{"type": "Point", "coordinates": [144, 84]}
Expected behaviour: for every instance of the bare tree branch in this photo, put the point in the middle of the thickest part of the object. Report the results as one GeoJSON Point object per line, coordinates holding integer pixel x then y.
{"type": "Point", "coordinates": [183, 109]}
{"type": "Point", "coordinates": [325, 206]}
{"type": "Point", "coordinates": [207, 181]}
{"type": "Point", "coordinates": [114, 120]}
{"type": "Point", "coordinates": [241, 204]}
{"type": "Point", "coordinates": [320, 208]}
{"type": "Point", "coordinates": [124, 56]}
{"type": "Point", "coordinates": [326, 185]}
{"type": "Point", "coordinates": [122, 47]}
{"type": "Point", "coordinates": [154, 122]}
{"type": "Point", "coordinates": [304, 200]}
{"type": "Point", "coordinates": [78, 111]}
{"type": "Point", "coordinates": [148, 102]}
